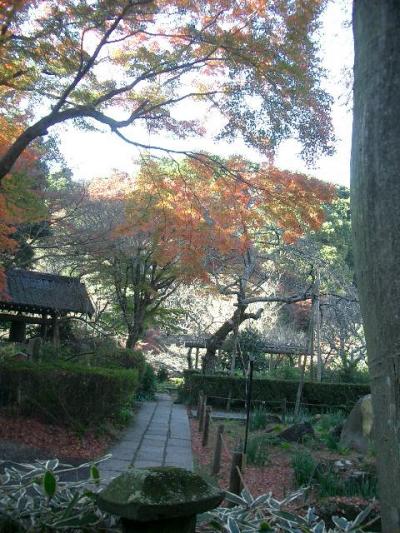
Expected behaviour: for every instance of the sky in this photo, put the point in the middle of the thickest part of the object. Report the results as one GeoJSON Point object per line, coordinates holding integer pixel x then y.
{"type": "Point", "coordinates": [92, 154]}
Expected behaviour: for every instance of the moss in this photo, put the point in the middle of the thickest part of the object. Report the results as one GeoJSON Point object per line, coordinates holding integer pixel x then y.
{"type": "Point", "coordinates": [159, 493]}
{"type": "Point", "coordinates": [158, 486]}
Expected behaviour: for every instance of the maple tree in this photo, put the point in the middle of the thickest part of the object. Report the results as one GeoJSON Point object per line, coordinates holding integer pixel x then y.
{"type": "Point", "coordinates": [255, 61]}
{"type": "Point", "coordinates": [219, 229]}
{"type": "Point", "coordinates": [185, 222]}
{"type": "Point", "coordinates": [20, 202]}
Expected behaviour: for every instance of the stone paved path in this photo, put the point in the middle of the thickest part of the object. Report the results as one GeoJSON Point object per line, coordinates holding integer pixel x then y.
{"type": "Point", "coordinates": [158, 436]}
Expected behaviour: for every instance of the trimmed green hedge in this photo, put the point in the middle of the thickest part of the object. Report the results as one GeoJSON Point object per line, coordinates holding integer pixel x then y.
{"type": "Point", "coordinates": [271, 391]}
{"type": "Point", "coordinates": [66, 394]}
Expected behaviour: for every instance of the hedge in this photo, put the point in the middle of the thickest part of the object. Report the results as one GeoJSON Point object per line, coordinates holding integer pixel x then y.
{"type": "Point", "coordinates": [271, 391]}
{"type": "Point", "coordinates": [66, 394]}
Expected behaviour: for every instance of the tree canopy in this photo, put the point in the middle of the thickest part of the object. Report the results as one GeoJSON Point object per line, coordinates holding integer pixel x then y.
{"type": "Point", "coordinates": [123, 62]}
{"type": "Point", "coordinates": [187, 221]}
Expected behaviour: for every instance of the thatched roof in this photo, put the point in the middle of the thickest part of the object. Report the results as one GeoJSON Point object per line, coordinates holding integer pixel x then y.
{"type": "Point", "coordinates": [38, 292]}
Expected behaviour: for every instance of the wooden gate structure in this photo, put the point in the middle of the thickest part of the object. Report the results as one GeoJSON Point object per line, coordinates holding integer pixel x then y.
{"type": "Point", "coordinates": [43, 299]}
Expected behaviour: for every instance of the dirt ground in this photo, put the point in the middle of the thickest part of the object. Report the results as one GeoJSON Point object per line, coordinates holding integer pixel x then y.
{"type": "Point", "coordinates": [277, 476]}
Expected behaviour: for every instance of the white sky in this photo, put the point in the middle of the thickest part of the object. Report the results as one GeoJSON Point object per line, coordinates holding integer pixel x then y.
{"type": "Point", "coordinates": [90, 154]}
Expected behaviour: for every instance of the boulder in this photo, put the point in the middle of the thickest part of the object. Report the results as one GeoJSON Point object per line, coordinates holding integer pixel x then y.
{"type": "Point", "coordinates": [297, 432]}
{"type": "Point", "coordinates": [357, 430]}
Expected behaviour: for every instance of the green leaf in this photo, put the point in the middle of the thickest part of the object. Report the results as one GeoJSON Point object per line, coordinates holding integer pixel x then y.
{"type": "Point", "coordinates": [234, 498]}
{"type": "Point", "coordinates": [52, 464]}
{"type": "Point", "coordinates": [49, 484]}
{"type": "Point", "coordinates": [290, 517]}
{"type": "Point", "coordinates": [232, 526]}
{"type": "Point", "coordinates": [95, 474]}
{"type": "Point", "coordinates": [319, 528]}
{"type": "Point", "coordinates": [86, 519]}
{"type": "Point", "coordinates": [340, 522]}
{"type": "Point", "coordinates": [360, 518]}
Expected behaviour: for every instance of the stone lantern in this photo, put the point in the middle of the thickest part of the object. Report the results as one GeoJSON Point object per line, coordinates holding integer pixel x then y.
{"type": "Point", "coordinates": [159, 499]}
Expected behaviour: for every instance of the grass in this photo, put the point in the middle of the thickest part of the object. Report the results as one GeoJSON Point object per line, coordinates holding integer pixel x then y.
{"type": "Point", "coordinates": [308, 472]}
{"type": "Point", "coordinates": [257, 450]}
{"type": "Point", "coordinates": [258, 419]}
{"type": "Point", "coordinates": [304, 466]}
{"type": "Point", "coordinates": [303, 416]}
{"type": "Point", "coordinates": [331, 484]}
{"type": "Point", "coordinates": [330, 420]}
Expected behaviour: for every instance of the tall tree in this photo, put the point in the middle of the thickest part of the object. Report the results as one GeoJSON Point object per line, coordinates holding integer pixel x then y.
{"type": "Point", "coordinates": [216, 226]}
{"type": "Point", "coordinates": [188, 221]}
{"type": "Point", "coordinates": [375, 197]}
{"type": "Point", "coordinates": [256, 62]}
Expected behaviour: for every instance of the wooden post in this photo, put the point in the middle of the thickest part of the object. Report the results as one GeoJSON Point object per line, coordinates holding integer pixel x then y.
{"type": "Point", "coordinates": [202, 413]}
{"type": "Point", "coordinates": [43, 327]}
{"type": "Point", "coordinates": [228, 401]}
{"type": "Point", "coordinates": [284, 409]}
{"type": "Point", "coordinates": [199, 403]}
{"type": "Point", "coordinates": [235, 483]}
{"type": "Point", "coordinates": [196, 364]}
{"type": "Point", "coordinates": [56, 331]}
{"type": "Point", "coordinates": [218, 450]}
{"type": "Point", "coordinates": [17, 331]}
{"type": "Point", "coordinates": [206, 429]}
{"type": "Point", "coordinates": [189, 359]}
{"type": "Point", "coordinates": [248, 401]}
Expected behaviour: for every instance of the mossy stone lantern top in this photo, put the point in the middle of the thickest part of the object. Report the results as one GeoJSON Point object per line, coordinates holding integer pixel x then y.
{"type": "Point", "coordinates": [159, 496]}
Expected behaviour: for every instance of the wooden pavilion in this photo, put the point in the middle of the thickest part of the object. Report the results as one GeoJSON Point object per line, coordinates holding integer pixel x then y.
{"type": "Point", "coordinates": [268, 348]}
{"type": "Point", "coordinates": [43, 299]}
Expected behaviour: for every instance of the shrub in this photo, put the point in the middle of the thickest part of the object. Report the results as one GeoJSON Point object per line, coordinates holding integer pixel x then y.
{"type": "Point", "coordinates": [8, 351]}
{"type": "Point", "coordinates": [252, 344]}
{"type": "Point", "coordinates": [265, 513]}
{"type": "Point", "coordinates": [119, 358]}
{"type": "Point", "coordinates": [284, 372]}
{"type": "Point", "coordinates": [331, 442]}
{"type": "Point", "coordinates": [148, 384]}
{"type": "Point", "coordinates": [65, 393]}
{"type": "Point", "coordinates": [272, 391]}
{"type": "Point", "coordinates": [49, 352]}
{"type": "Point", "coordinates": [162, 374]}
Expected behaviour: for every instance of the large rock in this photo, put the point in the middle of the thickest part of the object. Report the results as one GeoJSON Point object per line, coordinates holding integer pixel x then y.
{"type": "Point", "coordinates": [357, 430]}
{"type": "Point", "coordinates": [297, 432]}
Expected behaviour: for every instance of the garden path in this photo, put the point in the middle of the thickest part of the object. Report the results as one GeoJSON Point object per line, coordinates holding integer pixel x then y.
{"type": "Point", "coordinates": [158, 436]}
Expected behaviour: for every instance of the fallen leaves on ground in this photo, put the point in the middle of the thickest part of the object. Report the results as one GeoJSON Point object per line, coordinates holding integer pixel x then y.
{"type": "Point", "coordinates": [55, 440]}
{"type": "Point", "coordinates": [276, 477]}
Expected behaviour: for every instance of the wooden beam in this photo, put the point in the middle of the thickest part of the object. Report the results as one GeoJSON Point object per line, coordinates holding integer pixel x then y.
{"type": "Point", "coordinates": [22, 318]}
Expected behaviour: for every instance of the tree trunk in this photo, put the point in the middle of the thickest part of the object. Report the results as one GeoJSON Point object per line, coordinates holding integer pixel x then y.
{"type": "Point", "coordinates": [134, 335]}
{"type": "Point", "coordinates": [375, 197]}
{"type": "Point", "coordinates": [318, 326]}
{"type": "Point", "coordinates": [215, 341]}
